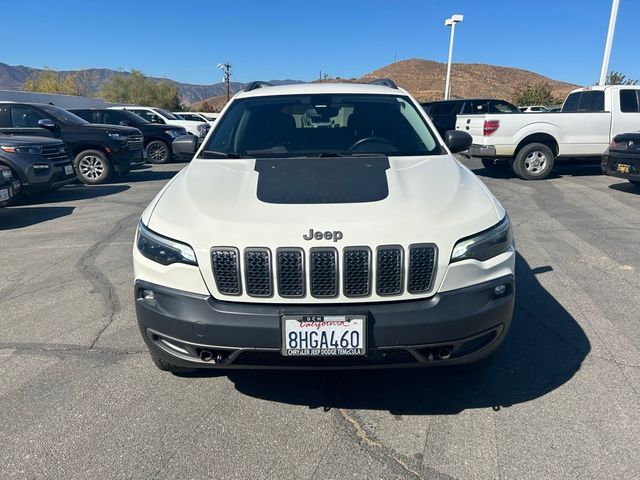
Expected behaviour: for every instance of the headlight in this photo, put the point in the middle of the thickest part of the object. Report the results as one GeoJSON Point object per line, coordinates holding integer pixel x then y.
{"type": "Point", "coordinates": [485, 245]}
{"type": "Point", "coordinates": [162, 249]}
{"type": "Point", "coordinates": [118, 136]}
{"type": "Point", "coordinates": [6, 174]}
{"type": "Point", "coordinates": [174, 133]}
{"type": "Point", "coordinates": [34, 150]}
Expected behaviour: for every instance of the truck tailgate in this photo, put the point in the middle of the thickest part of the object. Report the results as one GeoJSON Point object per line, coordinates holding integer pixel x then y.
{"type": "Point", "coordinates": [472, 124]}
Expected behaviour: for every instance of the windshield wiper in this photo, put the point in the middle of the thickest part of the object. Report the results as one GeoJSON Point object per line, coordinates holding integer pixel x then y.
{"type": "Point", "coordinates": [214, 154]}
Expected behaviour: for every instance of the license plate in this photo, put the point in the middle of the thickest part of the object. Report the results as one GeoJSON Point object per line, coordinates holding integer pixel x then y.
{"type": "Point", "coordinates": [68, 169]}
{"type": "Point", "coordinates": [622, 168]}
{"type": "Point", "coordinates": [323, 335]}
{"type": "Point", "coordinates": [4, 194]}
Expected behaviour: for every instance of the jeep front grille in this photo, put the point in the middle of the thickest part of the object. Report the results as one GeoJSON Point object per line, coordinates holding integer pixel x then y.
{"type": "Point", "coordinates": [290, 272]}
{"type": "Point", "coordinates": [324, 272]}
{"type": "Point", "coordinates": [354, 271]}
{"type": "Point", "coordinates": [226, 270]}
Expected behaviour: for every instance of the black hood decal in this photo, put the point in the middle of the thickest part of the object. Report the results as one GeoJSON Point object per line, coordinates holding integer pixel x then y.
{"type": "Point", "coordinates": [322, 180]}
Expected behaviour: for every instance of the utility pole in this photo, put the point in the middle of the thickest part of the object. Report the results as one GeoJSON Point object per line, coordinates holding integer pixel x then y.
{"type": "Point", "coordinates": [226, 68]}
{"type": "Point", "coordinates": [450, 22]}
{"type": "Point", "coordinates": [607, 47]}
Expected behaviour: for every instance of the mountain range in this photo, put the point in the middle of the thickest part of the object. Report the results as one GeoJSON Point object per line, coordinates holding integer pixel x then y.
{"type": "Point", "coordinates": [423, 78]}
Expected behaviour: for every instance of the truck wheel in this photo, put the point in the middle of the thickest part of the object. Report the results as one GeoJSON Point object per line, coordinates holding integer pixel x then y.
{"type": "Point", "coordinates": [92, 167]}
{"type": "Point", "coordinates": [158, 152]}
{"type": "Point", "coordinates": [533, 162]}
{"type": "Point", "coordinates": [494, 164]}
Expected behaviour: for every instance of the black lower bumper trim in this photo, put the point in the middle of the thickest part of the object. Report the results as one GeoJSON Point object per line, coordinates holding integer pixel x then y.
{"type": "Point", "coordinates": [177, 326]}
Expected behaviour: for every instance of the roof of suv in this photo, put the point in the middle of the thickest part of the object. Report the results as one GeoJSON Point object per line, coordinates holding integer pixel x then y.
{"type": "Point", "coordinates": [319, 88]}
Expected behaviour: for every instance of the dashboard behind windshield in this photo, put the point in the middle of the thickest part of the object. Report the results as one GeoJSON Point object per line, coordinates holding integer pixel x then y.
{"type": "Point", "coordinates": [322, 125]}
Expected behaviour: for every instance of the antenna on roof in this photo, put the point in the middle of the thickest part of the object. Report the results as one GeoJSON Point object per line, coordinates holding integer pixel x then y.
{"type": "Point", "coordinates": [255, 85]}
{"type": "Point", "coordinates": [385, 82]}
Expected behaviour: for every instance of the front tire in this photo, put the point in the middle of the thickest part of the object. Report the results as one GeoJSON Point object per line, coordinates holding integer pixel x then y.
{"type": "Point", "coordinates": [158, 152]}
{"type": "Point", "coordinates": [534, 162]}
{"type": "Point", "coordinates": [93, 167]}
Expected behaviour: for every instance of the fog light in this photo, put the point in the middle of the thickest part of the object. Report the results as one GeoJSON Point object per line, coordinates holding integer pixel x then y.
{"type": "Point", "coordinates": [500, 290]}
{"type": "Point", "coordinates": [148, 295]}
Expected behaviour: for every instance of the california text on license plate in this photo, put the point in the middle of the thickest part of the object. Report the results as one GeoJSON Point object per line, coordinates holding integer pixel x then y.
{"type": "Point", "coordinates": [323, 335]}
{"type": "Point", "coordinates": [68, 169]}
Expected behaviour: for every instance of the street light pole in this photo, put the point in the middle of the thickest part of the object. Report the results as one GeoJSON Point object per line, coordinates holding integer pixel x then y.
{"type": "Point", "coordinates": [450, 22]}
{"type": "Point", "coordinates": [607, 47]}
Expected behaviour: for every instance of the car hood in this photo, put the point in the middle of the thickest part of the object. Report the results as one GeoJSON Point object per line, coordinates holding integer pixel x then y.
{"type": "Point", "coordinates": [399, 200]}
{"type": "Point", "coordinates": [14, 140]}
{"type": "Point", "coordinates": [99, 127]}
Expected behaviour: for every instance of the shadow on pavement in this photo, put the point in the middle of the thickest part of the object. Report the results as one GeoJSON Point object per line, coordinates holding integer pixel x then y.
{"type": "Point", "coordinates": [11, 218]}
{"type": "Point", "coordinates": [72, 193]}
{"type": "Point", "coordinates": [626, 187]}
{"type": "Point", "coordinates": [543, 350]}
{"type": "Point", "coordinates": [565, 168]}
{"type": "Point", "coordinates": [146, 175]}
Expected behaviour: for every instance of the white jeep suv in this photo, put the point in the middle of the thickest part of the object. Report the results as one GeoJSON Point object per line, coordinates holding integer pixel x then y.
{"type": "Point", "coordinates": [323, 226]}
{"type": "Point", "coordinates": [161, 116]}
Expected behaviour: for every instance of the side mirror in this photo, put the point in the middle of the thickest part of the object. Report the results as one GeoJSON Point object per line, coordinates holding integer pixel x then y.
{"type": "Point", "coordinates": [457, 140]}
{"type": "Point", "coordinates": [46, 123]}
{"type": "Point", "coordinates": [185, 145]}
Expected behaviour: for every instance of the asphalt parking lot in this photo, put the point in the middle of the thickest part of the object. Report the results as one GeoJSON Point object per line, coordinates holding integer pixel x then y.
{"type": "Point", "coordinates": [79, 397]}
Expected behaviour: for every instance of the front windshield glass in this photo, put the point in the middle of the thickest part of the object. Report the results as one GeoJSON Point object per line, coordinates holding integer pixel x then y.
{"type": "Point", "coordinates": [133, 118]}
{"type": "Point", "coordinates": [322, 125]}
{"type": "Point", "coordinates": [165, 114]}
{"type": "Point", "coordinates": [63, 116]}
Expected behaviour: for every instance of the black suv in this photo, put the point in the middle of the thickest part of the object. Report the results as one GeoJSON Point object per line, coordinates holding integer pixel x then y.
{"type": "Point", "coordinates": [38, 163]}
{"type": "Point", "coordinates": [157, 138]}
{"type": "Point", "coordinates": [98, 150]}
{"type": "Point", "coordinates": [9, 187]}
{"type": "Point", "coordinates": [443, 112]}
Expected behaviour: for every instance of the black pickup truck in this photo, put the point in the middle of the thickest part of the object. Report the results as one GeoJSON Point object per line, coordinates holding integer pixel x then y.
{"type": "Point", "coordinates": [157, 138]}
{"type": "Point", "coordinates": [98, 151]}
{"type": "Point", "coordinates": [38, 164]}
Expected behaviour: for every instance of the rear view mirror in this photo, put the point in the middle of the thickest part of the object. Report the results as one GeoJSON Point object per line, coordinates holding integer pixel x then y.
{"type": "Point", "coordinates": [185, 146]}
{"type": "Point", "coordinates": [457, 140]}
{"type": "Point", "coordinates": [46, 123]}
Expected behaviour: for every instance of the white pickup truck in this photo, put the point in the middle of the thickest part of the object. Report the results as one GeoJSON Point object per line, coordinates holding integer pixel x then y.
{"type": "Point", "coordinates": [530, 142]}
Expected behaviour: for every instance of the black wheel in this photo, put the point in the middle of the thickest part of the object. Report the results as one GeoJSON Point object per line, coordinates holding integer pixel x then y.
{"type": "Point", "coordinates": [170, 367]}
{"type": "Point", "coordinates": [92, 167]}
{"type": "Point", "coordinates": [533, 162]}
{"type": "Point", "coordinates": [494, 164]}
{"type": "Point", "coordinates": [635, 182]}
{"type": "Point", "coordinates": [158, 152]}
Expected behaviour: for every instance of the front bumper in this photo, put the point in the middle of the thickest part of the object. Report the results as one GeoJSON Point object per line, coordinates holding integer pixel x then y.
{"type": "Point", "coordinates": [42, 179]}
{"type": "Point", "coordinates": [127, 159]}
{"type": "Point", "coordinates": [611, 161]}
{"type": "Point", "coordinates": [469, 323]}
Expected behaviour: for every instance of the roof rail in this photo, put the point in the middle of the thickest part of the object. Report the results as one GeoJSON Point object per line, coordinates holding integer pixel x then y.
{"type": "Point", "coordinates": [386, 82]}
{"type": "Point", "coordinates": [257, 84]}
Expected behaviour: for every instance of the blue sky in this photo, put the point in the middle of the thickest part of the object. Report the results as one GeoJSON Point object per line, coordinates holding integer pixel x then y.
{"type": "Point", "coordinates": [185, 39]}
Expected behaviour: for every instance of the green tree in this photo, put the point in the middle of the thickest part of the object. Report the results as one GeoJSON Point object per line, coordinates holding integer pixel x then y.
{"type": "Point", "coordinates": [539, 93]}
{"type": "Point", "coordinates": [617, 78]}
{"type": "Point", "coordinates": [50, 81]}
{"type": "Point", "coordinates": [135, 88]}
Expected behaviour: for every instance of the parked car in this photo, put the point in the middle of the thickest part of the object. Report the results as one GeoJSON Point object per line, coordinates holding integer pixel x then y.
{"type": "Point", "coordinates": [9, 186]}
{"type": "Point", "coordinates": [38, 164]}
{"type": "Point", "coordinates": [622, 158]}
{"type": "Point", "coordinates": [157, 138]}
{"type": "Point", "coordinates": [195, 116]}
{"type": "Point", "coordinates": [284, 245]}
{"type": "Point", "coordinates": [589, 119]}
{"type": "Point", "coordinates": [163, 117]}
{"type": "Point", "coordinates": [443, 112]}
{"type": "Point", "coordinates": [533, 109]}
{"type": "Point", "coordinates": [98, 150]}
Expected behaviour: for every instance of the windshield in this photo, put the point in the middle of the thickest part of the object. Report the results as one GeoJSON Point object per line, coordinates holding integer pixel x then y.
{"type": "Point", "coordinates": [165, 114]}
{"type": "Point", "coordinates": [64, 116]}
{"type": "Point", "coordinates": [133, 118]}
{"type": "Point", "coordinates": [322, 125]}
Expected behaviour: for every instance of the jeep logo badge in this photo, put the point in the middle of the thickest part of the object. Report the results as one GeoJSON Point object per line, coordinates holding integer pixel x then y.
{"type": "Point", "coordinates": [328, 235]}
